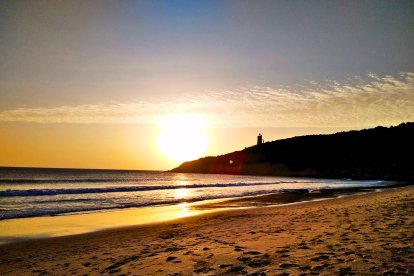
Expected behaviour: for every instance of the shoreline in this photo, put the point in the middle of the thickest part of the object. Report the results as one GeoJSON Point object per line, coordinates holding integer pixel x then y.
{"type": "Point", "coordinates": [356, 233]}
{"type": "Point", "coordinates": [44, 227]}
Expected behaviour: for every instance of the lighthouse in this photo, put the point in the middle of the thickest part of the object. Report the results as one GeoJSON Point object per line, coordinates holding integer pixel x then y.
{"type": "Point", "coordinates": [259, 139]}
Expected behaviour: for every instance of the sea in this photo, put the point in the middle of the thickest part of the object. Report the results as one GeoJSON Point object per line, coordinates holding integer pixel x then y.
{"type": "Point", "coordinates": [36, 192]}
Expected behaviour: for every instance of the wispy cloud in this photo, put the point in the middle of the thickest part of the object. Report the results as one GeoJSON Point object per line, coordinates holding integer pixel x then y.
{"type": "Point", "coordinates": [356, 101]}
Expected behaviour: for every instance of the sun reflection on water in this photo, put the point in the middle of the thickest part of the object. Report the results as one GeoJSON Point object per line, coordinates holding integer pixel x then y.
{"type": "Point", "coordinates": [181, 193]}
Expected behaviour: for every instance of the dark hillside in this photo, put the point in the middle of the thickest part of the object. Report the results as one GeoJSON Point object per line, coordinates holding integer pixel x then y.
{"type": "Point", "coordinates": [378, 153]}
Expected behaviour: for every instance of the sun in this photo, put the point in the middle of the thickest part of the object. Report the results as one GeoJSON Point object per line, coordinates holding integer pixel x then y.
{"type": "Point", "coordinates": [182, 137]}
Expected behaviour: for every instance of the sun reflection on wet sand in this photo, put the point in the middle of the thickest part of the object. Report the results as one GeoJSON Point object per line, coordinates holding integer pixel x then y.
{"type": "Point", "coordinates": [185, 210]}
{"type": "Point", "coordinates": [42, 227]}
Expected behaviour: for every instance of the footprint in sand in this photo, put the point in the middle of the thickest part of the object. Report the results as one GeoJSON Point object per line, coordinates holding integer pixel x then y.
{"type": "Point", "coordinates": [236, 269]}
{"type": "Point", "coordinates": [238, 248]}
{"type": "Point", "coordinates": [170, 258]}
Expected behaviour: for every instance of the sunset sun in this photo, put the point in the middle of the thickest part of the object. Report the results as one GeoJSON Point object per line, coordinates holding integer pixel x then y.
{"type": "Point", "coordinates": [182, 137]}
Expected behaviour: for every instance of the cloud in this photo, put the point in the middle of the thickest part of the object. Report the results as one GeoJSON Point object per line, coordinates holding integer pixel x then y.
{"type": "Point", "coordinates": [357, 101]}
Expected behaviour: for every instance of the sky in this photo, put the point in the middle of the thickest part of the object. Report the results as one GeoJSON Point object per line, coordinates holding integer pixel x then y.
{"type": "Point", "coordinates": [84, 84]}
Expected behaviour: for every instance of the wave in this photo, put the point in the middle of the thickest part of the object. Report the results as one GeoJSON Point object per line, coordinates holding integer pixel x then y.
{"type": "Point", "coordinates": [51, 192]}
{"type": "Point", "coordinates": [85, 209]}
{"type": "Point", "coordinates": [48, 192]}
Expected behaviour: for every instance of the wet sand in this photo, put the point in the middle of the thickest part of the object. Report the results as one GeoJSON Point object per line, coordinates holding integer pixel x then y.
{"type": "Point", "coordinates": [12, 230]}
{"type": "Point", "coordinates": [368, 234]}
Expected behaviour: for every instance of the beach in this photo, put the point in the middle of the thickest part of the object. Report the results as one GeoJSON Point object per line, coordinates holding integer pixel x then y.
{"type": "Point", "coordinates": [364, 234]}
{"type": "Point", "coordinates": [179, 138]}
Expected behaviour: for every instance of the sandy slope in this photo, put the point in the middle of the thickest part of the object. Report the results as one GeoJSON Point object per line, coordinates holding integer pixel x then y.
{"type": "Point", "coordinates": [370, 234]}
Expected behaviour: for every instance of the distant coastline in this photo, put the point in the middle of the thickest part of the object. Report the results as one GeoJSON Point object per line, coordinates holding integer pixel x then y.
{"type": "Point", "coordinates": [377, 153]}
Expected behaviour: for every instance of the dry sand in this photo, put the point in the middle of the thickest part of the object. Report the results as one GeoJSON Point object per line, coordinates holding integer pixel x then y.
{"type": "Point", "coordinates": [371, 234]}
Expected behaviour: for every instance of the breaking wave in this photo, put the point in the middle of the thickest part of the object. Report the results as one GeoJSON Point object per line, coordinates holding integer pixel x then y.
{"type": "Point", "coordinates": [48, 192]}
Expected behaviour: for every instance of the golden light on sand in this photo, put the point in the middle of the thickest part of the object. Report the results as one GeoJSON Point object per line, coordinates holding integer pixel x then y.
{"type": "Point", "coordinates": [185, 210]}
{"type": "Point", "coordinates": [182, 137]}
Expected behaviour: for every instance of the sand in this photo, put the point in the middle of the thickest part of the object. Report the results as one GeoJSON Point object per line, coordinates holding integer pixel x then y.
{"type": "Point", "coordinates": [370, 234]}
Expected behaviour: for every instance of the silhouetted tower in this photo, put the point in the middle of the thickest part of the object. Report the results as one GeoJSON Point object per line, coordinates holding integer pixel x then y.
{"type": "Point", "coordinates": [259, 139]}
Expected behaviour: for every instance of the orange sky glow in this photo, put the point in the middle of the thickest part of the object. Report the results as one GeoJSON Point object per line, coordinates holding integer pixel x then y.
{"type": "Point", "coordinates": [149, 84]}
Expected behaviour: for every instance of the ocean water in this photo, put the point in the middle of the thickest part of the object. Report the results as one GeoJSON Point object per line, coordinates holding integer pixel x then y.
{"type": "Point", "coordinates": [28, 192]}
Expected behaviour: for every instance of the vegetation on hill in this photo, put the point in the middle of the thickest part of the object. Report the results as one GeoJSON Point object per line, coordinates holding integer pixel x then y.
{"type": "Point", "coordinates": [378, 153]}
